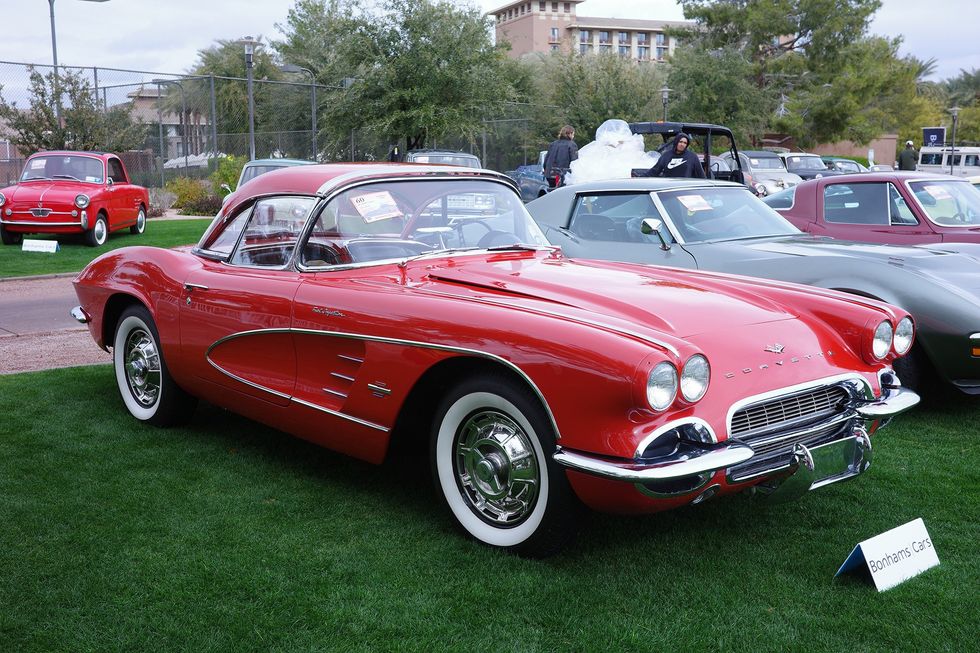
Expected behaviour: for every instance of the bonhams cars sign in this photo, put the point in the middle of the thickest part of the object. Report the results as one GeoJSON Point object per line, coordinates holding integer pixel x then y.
{"type": "Point", "coordinates": [894, 556]}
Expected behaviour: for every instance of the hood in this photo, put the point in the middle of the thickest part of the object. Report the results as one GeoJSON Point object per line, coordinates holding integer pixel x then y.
{"type": "Point", "coordinates": [50, 193]}
{"type": "Point", "coordinates": [673, 302]}
{"type": "Point", "coordinates": [955, 263]}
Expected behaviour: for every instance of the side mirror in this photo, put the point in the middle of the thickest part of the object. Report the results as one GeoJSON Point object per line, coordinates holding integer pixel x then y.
{"type": "Point", "coordinates": [109, 181]}
{"type": "Point", "coordinates": [654, 226]}
{"type": "Point", "coordinates": [226, 188]}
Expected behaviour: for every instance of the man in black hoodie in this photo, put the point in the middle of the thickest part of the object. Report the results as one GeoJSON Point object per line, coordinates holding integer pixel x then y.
{"type": "Point", "coordinates": [677, 161]}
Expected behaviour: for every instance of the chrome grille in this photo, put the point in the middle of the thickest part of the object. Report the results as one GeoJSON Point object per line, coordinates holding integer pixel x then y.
{"type": "Point", "coordinates": [783, 412]}
{"type": "Point", "coordinates": [775, 426]}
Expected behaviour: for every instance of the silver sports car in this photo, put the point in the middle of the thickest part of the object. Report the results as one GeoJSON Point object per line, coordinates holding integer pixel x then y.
{"type": "Point", "coordinates": [721, 226]}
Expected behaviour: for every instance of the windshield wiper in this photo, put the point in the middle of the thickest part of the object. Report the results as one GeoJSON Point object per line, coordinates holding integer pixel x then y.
{"type": "Point", "coordinates": [520, 247]}
{"type": "Point", "coordinates": [65, 177]}
{"type": "Point", "coordinates": [435, 252]}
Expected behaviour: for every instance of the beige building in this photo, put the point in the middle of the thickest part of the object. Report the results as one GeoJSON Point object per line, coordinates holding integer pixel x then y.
{"type": "Point", "coordinates": [548, 26]}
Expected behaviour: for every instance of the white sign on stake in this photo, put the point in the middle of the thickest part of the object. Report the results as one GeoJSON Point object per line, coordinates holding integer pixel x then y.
{"type": "Point", "coordinates": [894, 556]}
{"type": "Point", "coordinates": [50, 246]}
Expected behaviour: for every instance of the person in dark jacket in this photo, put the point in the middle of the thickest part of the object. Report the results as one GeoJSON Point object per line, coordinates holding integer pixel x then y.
{"type": "Point", "coordinates": [908, 157]}
{"type": "Point", "coordinates": [561, 153]}
{"type": "Point", "coordinates": [677, 161]}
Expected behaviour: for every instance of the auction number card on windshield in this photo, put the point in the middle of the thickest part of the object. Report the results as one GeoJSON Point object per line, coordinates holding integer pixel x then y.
{"type": "Point", "coordinates": [379, 205]}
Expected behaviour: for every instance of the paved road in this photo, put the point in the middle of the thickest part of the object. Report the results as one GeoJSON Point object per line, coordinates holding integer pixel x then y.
{"type": "Point", "coordinates": [36, 305]}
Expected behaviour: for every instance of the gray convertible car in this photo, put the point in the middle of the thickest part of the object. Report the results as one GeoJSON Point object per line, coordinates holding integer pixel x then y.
{"type": "Point", "coordinates": [721, 226]}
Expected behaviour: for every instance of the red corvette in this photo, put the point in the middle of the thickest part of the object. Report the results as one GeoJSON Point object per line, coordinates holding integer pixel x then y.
{"type": "Point", "coordinates": [898, 208]}
{"type": "Point", "coordinates": [359, 305]}
{"type": "Point", "coordinates": [70, 193]}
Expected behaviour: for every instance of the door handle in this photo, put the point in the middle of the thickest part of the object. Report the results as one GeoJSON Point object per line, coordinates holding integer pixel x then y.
{"type": "Point", "coordinates": [194, 286]}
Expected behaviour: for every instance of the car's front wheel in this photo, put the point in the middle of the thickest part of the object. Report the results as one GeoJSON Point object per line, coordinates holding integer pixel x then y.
{"type": "Point", "coordinates": [99, 232]}
{"type": "Point", "coordinates": [10, 237]}
{"type": "Point", "coordinates": [140, 225]}
{"type": "Point", "coordinates": [492, 446]}
{"type": "Point", "coordinates": [144, 382]}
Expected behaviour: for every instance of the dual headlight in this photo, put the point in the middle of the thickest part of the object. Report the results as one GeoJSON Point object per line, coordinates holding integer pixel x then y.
{"type": "Point", "coordinates": [663, 382]}
{"type": "Point", "coordinates": [885, 338]}
{"type": "Point", "coordinates": [82, 201]}
{"type": "Point", "coordinates": [3, 200]}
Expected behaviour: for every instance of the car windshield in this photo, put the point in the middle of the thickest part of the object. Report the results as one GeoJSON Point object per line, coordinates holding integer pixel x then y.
{"type": "Point", "coordinates": [251, 172]}
{"type": "Point", "coordinates": [950, 203]}
{"type": "Point", "coordinates": [722, 214]}
{"type": "Point", "coordinates": [64, 166]}
{"type": "Point", "coordinates": [400, 219]}
{"type": "Point", "coordinates": [846, 166]}
{"type": "Point", "coordinates": [767, 163]}
{"type": "Point", "coordinates": [805, 163]}
{"type": "Point", "coordinates": [465, 160]}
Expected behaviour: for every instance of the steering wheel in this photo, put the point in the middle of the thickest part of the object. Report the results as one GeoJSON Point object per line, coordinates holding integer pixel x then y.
{"type": "Point", "coordinates": [495, 238]}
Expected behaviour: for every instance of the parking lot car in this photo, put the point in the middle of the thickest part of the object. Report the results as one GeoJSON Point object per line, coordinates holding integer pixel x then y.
{"type": "Point", "coordinates": [444, 157]}
{"type": "Point", "coordinates": [840, 164]}
{"type": "Point", "coordinates": [253, 169]}
{"type": "Point", "coordinates": [764, 171]}
{"type": "Point", "coordinates": [530, 179]}
{"type": "Point", "coordinates": [942, 159]}
{"type": "Point", "coordinates": [66, 192]}
{"type": "Point", "coordinates": [717, 140]}
{"type": "Point", "coordinates": [716, 226]}
{"type": "Point", "coordinates": [906, 208]}
{"type": "Point", "coordinates": [352, 306]}
{"type": "Point", "coordinates": [807, 166]}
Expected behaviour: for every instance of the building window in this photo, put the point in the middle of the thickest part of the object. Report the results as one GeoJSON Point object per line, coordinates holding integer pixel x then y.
{"type": "Point", "coordinates": [642, 53]}
{"type": "Point", "coordinates": [624, 50]}
{"type": "Point", "coordinates": [624, 37]}
{"type": "Point", "coordinates": [661, 39]}
{"type": "Point", "coordinates": [523, 8]}
{"type": "Point", "coordinates": [642, 38]}
{"type": "Point", "coordinates": [584, 48]}
{"type": "Point", "coordinates": [604, 38]}
{"type": "Point", "coordinates": [555, 47]}
{"type": "Point", "coordinates": [661, 53]}
{"type": "Point", "coordinates": [554, 35]}
{"type": "Point", "coordinates": [542, 6]}
{"type": "Point", "coordinates": [554, 7]}
{"type": "Point", "coordinates": [568, 7]}
{"type": "Point", "coordinates": [585, 36]}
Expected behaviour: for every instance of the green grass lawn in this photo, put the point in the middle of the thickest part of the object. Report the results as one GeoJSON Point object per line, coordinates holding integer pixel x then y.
{"type": "Point", "coordinates": [226, 535]}
{"type": "Point", "coordinates": [75, 254]}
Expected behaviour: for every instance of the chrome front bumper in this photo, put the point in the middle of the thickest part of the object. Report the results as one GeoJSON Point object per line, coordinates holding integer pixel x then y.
{"type": "Point", "coordinates": [810, 467]}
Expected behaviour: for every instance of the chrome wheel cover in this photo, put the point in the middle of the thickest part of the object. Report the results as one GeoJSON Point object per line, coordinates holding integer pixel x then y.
{"type": "Point", "coordinates": [142, 366]}
{"type": "Point", "coordinates": [496, 469]}
{"type": "Point", "coordinates": [141, 221]}
{"type": "Point", "coordinates": [100, 231]}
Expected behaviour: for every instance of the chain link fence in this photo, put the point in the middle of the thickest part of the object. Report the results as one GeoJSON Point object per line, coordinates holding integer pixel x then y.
{"type": "Point", "coordinates": [186, 123]}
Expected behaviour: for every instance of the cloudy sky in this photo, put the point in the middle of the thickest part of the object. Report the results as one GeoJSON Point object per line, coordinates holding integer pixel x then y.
{"type": "Point", "coordinates": [165, 35]}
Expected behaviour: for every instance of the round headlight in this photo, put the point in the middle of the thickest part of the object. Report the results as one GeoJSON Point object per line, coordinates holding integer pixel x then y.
{"type": "Point", "coordinates": [903, 336]}
{"type": "Point", "coordinates": [662, 386]}
{"type": "Point", "coordinates": [883, 340]}
{"type": "Point", "coordinates": [694, 378]}
{"type": "Point", "coordinates": [3, 200]}
{"type": "Point", "coordinates": [818, 175]}
{"type": "Point", "coordinates": [81, 201]}
{"type": "Point", "coordinates": [760, 188]}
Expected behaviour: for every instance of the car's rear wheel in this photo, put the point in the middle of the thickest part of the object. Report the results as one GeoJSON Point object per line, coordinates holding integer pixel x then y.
{"type": "Point", "coordinates": [99, 232]}
{"type": "Point", "coordinates": [144, 381]}
{"type": "Point", "coordinates": [10, 237]}
{"type": "Point", "coordinates": [140, 225]}
{"type": "Point", "coordinates": [492, 447]}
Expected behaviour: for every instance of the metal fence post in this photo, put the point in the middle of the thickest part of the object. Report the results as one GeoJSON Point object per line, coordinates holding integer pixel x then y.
{"type": "Point", "coordinates": [163, 154]}
{"type": "Point", "coordinates": [214, 120]}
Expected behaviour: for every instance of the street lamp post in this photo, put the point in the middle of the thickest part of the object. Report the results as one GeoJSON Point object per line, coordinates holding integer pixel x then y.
{"type": "Point", "coordinates": [183, 113]}
{"type": "Point", "coordinates": [665, 96]}
{"type": "Point", "coordinates": [290, 68]}
{"type": "Point", "coordinates": [250, 45]}
{"type": "Point", "coordinates": [54, 56]}
{"type": "Point", "coordinates": [955, 111]}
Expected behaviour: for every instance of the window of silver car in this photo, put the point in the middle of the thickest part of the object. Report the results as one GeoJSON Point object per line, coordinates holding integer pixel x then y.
{"type": "Point", "coordinates": [615, 217]}
{"type": "Point", "coordinates": [706, 214]}
{"type": "Point", "coordinates": [272, 231]}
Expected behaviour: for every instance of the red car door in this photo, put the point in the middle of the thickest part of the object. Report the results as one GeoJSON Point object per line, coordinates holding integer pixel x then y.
{"type": "Point", "coordinates": [124, 197]}
{"type": "Point", "coordinates": [872, 212]}
{"type": "Point", "coordinates": [235, 314]}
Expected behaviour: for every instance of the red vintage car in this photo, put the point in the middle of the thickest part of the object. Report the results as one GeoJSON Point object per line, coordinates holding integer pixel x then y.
{"type": "Point", "coordinates": [361, 305]}
{"type": "Point", "coordinates": [900, 208]}
{"type": "Point", "coordinates": [72, 193]}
